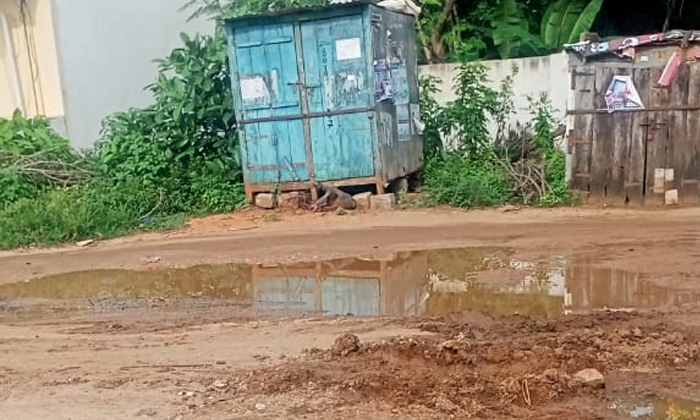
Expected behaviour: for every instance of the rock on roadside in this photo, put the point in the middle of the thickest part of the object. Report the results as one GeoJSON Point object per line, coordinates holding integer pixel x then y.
{"type": "Point", "coordinates": [590, 378]}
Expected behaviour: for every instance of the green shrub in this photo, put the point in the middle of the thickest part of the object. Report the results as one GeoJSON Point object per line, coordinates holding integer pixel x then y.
{"type": "Point", "coordinates": [75, 213]}
{"type": "Point", "coordinates": [33, 157]}
{"type": "Point", "coordinates": [559, 193]}
{"type": "Point", "coordinates": [461, 182]}
{"type": "Point", "coordinates": [480, 171]}
{"type": "Point", "coordinates": [176, 157]}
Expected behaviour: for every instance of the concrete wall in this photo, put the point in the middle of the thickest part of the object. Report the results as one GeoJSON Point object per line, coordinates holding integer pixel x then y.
{"type": "Point", "coordinates": [29, 74]}
{"type": "Point", "coordinates": [106, 50]}
{"type": "Point", "coordinates": [535, 74]}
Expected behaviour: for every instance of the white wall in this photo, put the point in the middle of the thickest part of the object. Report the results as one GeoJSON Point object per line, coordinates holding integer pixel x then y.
{"type": "Point", "coordinates": [106, 50]}
{"type": "Point", "coordinates": [535, 74]}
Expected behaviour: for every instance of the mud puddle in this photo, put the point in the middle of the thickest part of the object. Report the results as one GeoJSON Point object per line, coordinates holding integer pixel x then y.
{"type": "Point", "coordinates": [437, 282]}
{"type": "Point", "coordinates": [661, 408]}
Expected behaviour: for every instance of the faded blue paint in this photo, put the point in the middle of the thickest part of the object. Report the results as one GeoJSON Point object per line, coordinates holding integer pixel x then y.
{"type": "Point", "coordinates": [268, 81]}
{"type": "Point", "coordinates": [345, 76]}
{"type": "Point", "coordinates": [342, 144]}
{"type": "Point", "coordinates": [289, 293]}
{"type": "Point", "coordinates": [359, 297]}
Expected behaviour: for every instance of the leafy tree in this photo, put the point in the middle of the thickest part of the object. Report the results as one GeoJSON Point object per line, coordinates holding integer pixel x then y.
{"type": "Point", "coordinates": [566, 20]}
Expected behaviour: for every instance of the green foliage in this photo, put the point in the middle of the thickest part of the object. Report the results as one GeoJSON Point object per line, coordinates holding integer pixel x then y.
{"type": "Point", "coordinates": [468, 174]}
{"type": "Point", "coordinates": [586, 20]}
{"type": "Point", "coordinates": [30, 154]}
{"type": "Point", "coordinates": [191, 123]}
{"type": "Point", "coordinates": [184, 145]}
{"type": "Point", "coordinates": [20, 136]}
{"type": "Point", "coordinates": [566, 20]}
{"type": "Point", "coordinates": [480, 171]}
{"type": "Point", "coordinates": [236, 8]}
{"type": "Point", "coordinates": [542, 113]}
{"type": "Point", "coordinates": [431, 114]}
{"type": "Point", "coordinates": [504, 107]}
{"type": "Point", "coordinates": [467, 117]}
{"type": "Point", "coordinates": [75, 213]}
{"type": "Point", "coordinates": [469, 30]}
{"type": "Point", "coordinates": [176, 157]}
{"type": "Point", "coordinates": [466, 182]}
{"type": "Point", "coordinates": [558, 193]}
{"type": "Point", "coordinates": [511, 32]}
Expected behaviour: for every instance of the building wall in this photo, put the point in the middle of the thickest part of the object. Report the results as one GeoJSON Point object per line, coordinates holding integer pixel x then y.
{"type": "Point", "coordinates": [535, 74]}
{"type": "Point", "coordinates": [106, 50]}
{"type": "Point", "coordinates": [29, 73]}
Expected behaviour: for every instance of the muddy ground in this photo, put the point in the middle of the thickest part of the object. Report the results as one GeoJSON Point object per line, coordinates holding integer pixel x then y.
{"type": "Point", "coordinates": [405, 315]}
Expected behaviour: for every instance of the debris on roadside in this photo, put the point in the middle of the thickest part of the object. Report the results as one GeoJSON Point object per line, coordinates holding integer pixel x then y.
{"type": "Point", "coordinates": [151, 260]}
{"type": "Point", "coordinates": [87, 242]}
{"type": "Point", "coordinates": [345, 344]}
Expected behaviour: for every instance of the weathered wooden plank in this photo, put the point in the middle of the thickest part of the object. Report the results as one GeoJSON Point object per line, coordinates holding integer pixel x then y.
{"type": "Point", "coordinates": [607, 130]}
{"type": "Point", "coordinates": [634, 162]}
{"type": "Point", "coordinates": [596, 180]}
{"type": "Point", "coordinates": [582, 135]}
{"type": "Point", "coordinates": [690, 183]}
{"type": "Point", "coordinates": [609, 150]}
{"type": "Point", "coordinates": [675, 134]}
{"type": "Point", "coordinates": [656, 146]}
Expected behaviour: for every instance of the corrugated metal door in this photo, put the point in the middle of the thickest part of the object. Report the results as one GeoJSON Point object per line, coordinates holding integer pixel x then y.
{"type": "Point", "coordinates": [338, 89]}
{"type": "Point", "coordinates": [274, 149]}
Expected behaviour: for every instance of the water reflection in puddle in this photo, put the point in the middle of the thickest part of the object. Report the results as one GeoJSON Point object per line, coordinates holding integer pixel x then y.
{"type": "Point", "coordinates": [661, 408]}
{"type": "Point", "coordinates": [437, 282]}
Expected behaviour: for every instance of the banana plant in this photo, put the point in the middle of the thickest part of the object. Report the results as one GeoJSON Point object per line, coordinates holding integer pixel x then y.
{"type": "Point", "coordinates": [565, 21]}
{"type": "Point", "coordinates": [511, 33]}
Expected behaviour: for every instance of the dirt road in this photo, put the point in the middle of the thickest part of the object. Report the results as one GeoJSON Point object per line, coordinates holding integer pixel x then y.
{"type": "Point", "coordinates": [483, 314]}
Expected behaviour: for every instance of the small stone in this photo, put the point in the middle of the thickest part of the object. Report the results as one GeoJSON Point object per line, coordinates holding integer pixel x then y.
{"type": "Point", "coordinates": [291, 200]}
{"type": "Point", "coordinates": [265, 201]}
{"type": "Point", "coordinates": [220, 384]}
{"type": "Point", "coordinates": [362, 200]}
{"type": "Point", "coordinates": [151, 260]}
{"type": "Point", "coordinates": [260, 406]}
{"type": "Point", "coordinates": [85, 243]}
{"type": "Point", "coordinates": [590, 378]}
{"type": "Point", "coordinates": [341, 211]}
{"type": "Point", "coordinates": [383, 202]}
